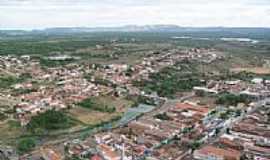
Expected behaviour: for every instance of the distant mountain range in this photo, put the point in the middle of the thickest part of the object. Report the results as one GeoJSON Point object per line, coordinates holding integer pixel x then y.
{"type": "Point", "coordinates": [153, 28]}
{"type": "Point", "coordinates": [145, 28]}
{"type": "Point", "coordinates": [129, 28]}
{"type": "Point", "coordinates": [243, 31]}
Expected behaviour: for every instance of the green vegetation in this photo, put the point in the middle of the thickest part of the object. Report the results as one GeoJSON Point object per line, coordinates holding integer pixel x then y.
{"type": "Point", "coordinates": [54, 63]}
{"type": "Point", "coordinates": [88, 76]}
{"type": "Point", "coordinates": [145, 100]}
{"type": "Point", "coordinates": [187, 130]}
{"type": "Point", "coordinates": [25, 145]}
{"type": "Point", "coordinates": [232, 100]}
{"type": "Point", "coordinates": [123, 48]}
{"type": "Point", "coordinates": [43, 44]}
{"type": "Point", "coordinates": [10, 110]}
{"type": "Point", "coordinates": [213, 112]}
{"type": "Point", "coordinates": [107, 123]}
{"type": "Point", "coordinates": [90, 104]}
{"type": "Point", "coordinates": [39, 46]}
{"type": "Point", "coordinates": [229, 113]}
{"type": "Point", "coordinates": [194, 145]}
{"type": "Point", "coordinates": [244, 75]}
{"type": "Point", "coordinates": [163, 116]}
{"type": "Point", "coordinates": [2, 116]}
{"type": "Point", "coordinates": [25, 76]}
{"type": "Point", "coordinates": [49, 121]}
{"type": "Point", "coordinates": [171, 80]}
{"type": "Point", "coordinates": [105, 82]}
{"type": "Point", "coordinates": [73, 158]}
{"type": "Point", "coordinates": [238, 113]}
{"type": "Point", "coordinates": [14, 124]}
{"type": "Point", "coordinates": [224, 115]}
{"type": "Point", "coordinates": [22, 91]}
{"type": "Point", "coordinates": [129, 72]}
{"type": "Point", "coordinates": [99, 81]}
{"type": "Point", "coordinates": [7, 81]}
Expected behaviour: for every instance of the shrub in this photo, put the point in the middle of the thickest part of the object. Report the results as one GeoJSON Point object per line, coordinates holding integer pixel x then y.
{"type": "Point", "coordinates": [231, 99]}
{"type": "Point", "coordinates": [90, 104]}
{"type": "Point", "coordinates": [163, 116]}
{"type": "Point", "coordinates": [50, 120]}
{"type": "Point", "coordinates": [26, 145]}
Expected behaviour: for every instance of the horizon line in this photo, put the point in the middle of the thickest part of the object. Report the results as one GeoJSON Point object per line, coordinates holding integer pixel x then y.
{"type": "Point", "coordinates": [118, 26]}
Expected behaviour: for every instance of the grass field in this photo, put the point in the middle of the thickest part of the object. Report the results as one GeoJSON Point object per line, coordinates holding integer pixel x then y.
{"type": "Point", "coordinates": [9, 130]}
{"type": "Point", "coordinates": [91, 117]}
{"type": "Point", "coordinates": [255, 70]}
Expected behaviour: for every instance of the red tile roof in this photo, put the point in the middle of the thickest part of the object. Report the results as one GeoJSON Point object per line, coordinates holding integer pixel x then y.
{"type": "Point", "coordinates": [199, 109]}
{"type": "Point", "coordinates": [228, 154]}
{"type": "Point", "coordinates": [96, 157]}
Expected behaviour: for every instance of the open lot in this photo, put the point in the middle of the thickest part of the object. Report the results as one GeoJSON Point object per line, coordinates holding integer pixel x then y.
{"type": "Point", "coordinates": [9, 130]}
{"type": "Point", "coordinates": [207, 101]}
{"type": "Point", "coordinates": [256, 70]}
{"type": "Point", "coordinates": [91, 117]}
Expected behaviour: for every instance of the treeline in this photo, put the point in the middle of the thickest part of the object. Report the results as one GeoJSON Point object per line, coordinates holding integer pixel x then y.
{"type": "Point", "coordinates": [163, 116]}
{"type": "Point", "coordinates": [54, 63]}
{"type": "Point", "coordinates": [232, 99]}
{"type": "Point", "coordinates": [170, 80]}
{"type": "Point", "coordinates": [49, 121]}
{"type": "Point", "coordinates": [25, 145]}
{"type": "Point", "coordinates": [8, 80]}
{"type": "Point", "coordinates": [244, 76]}
{"type": "Point", "coordinates": [89, 103]}
{"type": "Point", "coordinates": [43, 47]}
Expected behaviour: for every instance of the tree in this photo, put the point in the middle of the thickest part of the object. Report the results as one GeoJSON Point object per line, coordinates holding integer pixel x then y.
{"type": "Point", "coordinates": [2, 116]}
{"type": "Point", "coordinates": [231, 99]}
{"type": "Point", "coordinates": [163, 116]}
{"type": "Point", "coordinates": [194, 145]}
{"type": "Point", "coordinates": [228, 131]}
{"type": "Point", "coordinates": [200, 93]}
{"type": "Point", "coordinates": [217, 131]}
{"type": "Point", "coordinates": [50, 120]}
{"type": "Point", "coordinates": [90, 104]}
{"type": "Point", "coordinates": [238, 113]}
{"type": "Point", "coordinates": [26, 145]}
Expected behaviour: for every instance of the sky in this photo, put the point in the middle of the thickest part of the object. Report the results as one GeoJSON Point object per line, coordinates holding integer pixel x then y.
{"type": "Point", "coordinates": [37, 14]}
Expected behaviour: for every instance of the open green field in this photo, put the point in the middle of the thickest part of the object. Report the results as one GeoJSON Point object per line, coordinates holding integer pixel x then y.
{"type": "Point", "coordinates": [123, 47]}
{"type": "Point", "coordinates": [92, 117]}
{"type": "Point", "coordinates": [10, 130]}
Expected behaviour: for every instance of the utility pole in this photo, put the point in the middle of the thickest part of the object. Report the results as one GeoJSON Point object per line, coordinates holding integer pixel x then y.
{"type": "Point", "coordinates": [123, 149]}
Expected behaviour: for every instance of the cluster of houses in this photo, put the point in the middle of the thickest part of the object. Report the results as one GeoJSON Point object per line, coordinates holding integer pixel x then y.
{"type": "Point", "coordinates": [257, 88]}
{"type": "Point", "coordinates": [57, 88]}
{"type": "Point", "coordinates": [151, 135]}
{"type": "Point", "coordinates": [248, 139]}
{"type": "Point", "coordinates": [173, 131]}
{"type": "Point", "coordinates": [61, 87]}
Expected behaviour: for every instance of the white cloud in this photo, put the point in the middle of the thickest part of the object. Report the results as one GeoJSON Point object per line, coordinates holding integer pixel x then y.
{"type": "Point", "coordinates": [53, 13]}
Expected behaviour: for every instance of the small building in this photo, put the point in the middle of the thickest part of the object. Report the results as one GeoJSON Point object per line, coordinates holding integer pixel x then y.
{"type": "Point", "coordinates": [257, 80]}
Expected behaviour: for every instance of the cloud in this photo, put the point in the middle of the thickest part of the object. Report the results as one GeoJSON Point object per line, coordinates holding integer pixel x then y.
{"type": "Point", "coordinates": [53, 13]}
